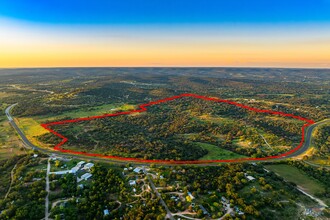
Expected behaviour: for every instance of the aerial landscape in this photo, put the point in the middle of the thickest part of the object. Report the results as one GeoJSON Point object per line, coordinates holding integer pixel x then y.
{"type": "Point", "coordinates": [119, 110]}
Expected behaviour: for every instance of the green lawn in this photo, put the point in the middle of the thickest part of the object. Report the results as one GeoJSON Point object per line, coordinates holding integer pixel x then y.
{"type": "Point", "coordinates": [217, 153]}
{"type": "Point", "coordinates": [298, 177]}
{"type": "Point", "coordinates": [82, 112]}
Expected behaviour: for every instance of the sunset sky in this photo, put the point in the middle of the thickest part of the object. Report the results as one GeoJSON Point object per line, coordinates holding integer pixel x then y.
{"type": "Point", "coordinates": [254, 33]}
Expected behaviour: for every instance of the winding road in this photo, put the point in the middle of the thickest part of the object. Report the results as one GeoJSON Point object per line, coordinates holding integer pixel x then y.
{"type": "Point", "coordinates": [28, 144]}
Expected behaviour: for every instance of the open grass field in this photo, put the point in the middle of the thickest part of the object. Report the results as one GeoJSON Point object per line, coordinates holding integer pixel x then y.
{"type": "Point", "coordinates": [10, 144]}
{"type": "Point", "coordinates": [215, 153]}
{"type": "Point", "coordinates": [85, 112]}
{"type": "Point", "coordinates": [79, 113]}
{"type": "Point", "coordinates": [298, 177]}
{"type": "Point", "coordinates": [31, 129]}
{"type": "Point", "coordinates": [6, 153]}
{"type": "Point", "coordinates": [31, 126]}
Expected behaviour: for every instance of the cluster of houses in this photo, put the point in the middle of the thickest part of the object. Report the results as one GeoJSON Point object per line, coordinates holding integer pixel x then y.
{"type": "Point", "coordinates": [314, 212]}
{"type": "Point", "coordinates": [136, 170]}
{"type": "Point", "coordinates": [81, 167]}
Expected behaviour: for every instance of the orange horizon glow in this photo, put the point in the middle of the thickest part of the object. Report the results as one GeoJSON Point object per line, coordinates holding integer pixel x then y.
{"type": "Point", "coordinates": [22, 45]}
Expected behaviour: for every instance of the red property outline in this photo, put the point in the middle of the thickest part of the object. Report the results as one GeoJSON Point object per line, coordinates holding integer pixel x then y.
{"type": "Point", "coordinates": [143, 108]}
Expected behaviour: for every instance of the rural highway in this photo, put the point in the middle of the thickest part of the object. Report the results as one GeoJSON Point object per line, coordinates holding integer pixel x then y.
{"type": "Point", "coordinates": [28, 144]}
{"type": "Point", "coordinates": [308, 137]}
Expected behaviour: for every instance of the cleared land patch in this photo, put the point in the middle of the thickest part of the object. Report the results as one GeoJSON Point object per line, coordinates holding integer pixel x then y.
{"type": "Point", "coordinates": [292, 174]}
{"type": "Point", "coordinates": [215, 152]}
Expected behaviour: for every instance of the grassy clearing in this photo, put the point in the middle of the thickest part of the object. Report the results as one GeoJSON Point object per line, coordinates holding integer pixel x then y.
{"type": "Point", "coordinates": [6, 153]}
{"type": "Point", "coordinates": [31, 129]}
{"type": "Point", "coordinates": [218, 120]}
{"type": "Point", "coordinates": [86, 112]}
{"type": "Point", "coordinates": [79, 113]}
{"type": "Point", "coordinates": [31, 126]}
{"type": "Point", "coordinates": [298, 177]}
{"type": "Point", "coordinates": [10, 144]}
{"type": "Point", "coordinates": [321, 161]}
{"type": "Point", "coordinates": [217, 153]}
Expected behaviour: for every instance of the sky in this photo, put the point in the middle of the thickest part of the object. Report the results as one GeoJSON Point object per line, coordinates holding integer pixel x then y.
{"type": "Point", "coordinates": [134, 33]}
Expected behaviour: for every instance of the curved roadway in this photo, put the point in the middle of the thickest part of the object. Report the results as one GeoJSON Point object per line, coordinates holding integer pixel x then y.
{"type": "Point", "coordinates": [27, 143]}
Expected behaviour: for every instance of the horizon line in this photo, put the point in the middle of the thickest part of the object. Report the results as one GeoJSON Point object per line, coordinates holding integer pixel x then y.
{"type": "Point", "coordinates": [243, 67]}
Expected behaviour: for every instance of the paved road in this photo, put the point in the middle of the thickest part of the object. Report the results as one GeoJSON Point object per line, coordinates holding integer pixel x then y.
{"type": "Point", "coordinates": [7, 111]}
{"type": "Point", "coordinates": [308, 138]}
{"type": "Point", "coordinates": [27, 143]}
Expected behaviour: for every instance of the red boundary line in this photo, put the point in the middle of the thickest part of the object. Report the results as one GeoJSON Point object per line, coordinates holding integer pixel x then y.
{"type": "Point", "coordinates": [143, 108]}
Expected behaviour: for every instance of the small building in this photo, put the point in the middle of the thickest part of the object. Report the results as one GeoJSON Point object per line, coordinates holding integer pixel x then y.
{"type": "Point", "coordinates": [105, 212]}
{"type": "Point", "coordinates": [223, 199]}
{"type": "Point", "coordinates": [62, 172]}
{"type": "Point", "coordinates": [86, 176]}
{"type": "Point", "coordinates": [80, 163]}
{"type": "Point", "coordinates": [132, 182]}
{"type": "Point", "coordinates": [35, 155]}
{"type": "Point", "coordinates": [137, 170]}
{"type": "Point", "coordinates": [250, 178]}
{"type": "Point", "coordinates": [75, 169]}
{"type": "Point", "coordinates": [81, 186]}
{"type": "Point", "coordinates": [88, 166]}
{"type": "Point", "coordinates": [238, 211]}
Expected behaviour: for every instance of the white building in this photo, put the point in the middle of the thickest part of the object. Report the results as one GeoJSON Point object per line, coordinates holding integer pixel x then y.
{"type": "Point", "coordinates": [80, 163]}
{"type": "Point", "coordinates": [74, 169]}
{"type": "Point", "coordinates": [60, 172]}
{"type": "Point", "coordinates": [88, 166]}
{"type": "Point", "coordinates": [137, 170]}
{"type": "Point", "coordinates": [250, 178]}
{"type": "Point", "coordinates": [86, 176]}
{"type": "Point", "coordinates": [132, 182]}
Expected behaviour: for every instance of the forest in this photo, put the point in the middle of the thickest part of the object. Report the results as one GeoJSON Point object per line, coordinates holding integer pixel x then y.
{"type": "Point", "coordinates": [322, 139]}
{"type": "Point", "coordinates": [174, 130]}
